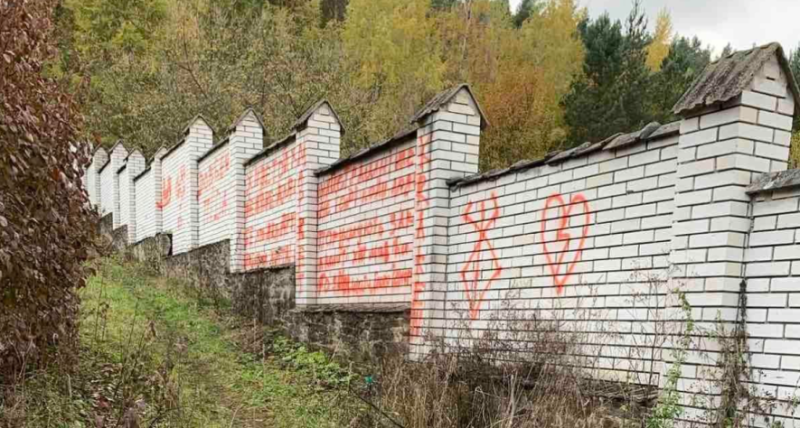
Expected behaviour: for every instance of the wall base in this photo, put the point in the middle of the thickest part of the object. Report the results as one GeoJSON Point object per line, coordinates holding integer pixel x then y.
{"type": "Point", "coordinates": [359, 333]}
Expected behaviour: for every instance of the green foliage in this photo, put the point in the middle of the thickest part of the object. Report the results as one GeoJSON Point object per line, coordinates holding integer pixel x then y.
{"type": "Point", "coordinates": [525, 10]}
{"type": "Point", "coordinates": [152, 356]}
{"type": "Point", "coordinates": [685, 61]}
{"type": "Point", "coordinates": [316, 364]}
{"type": "Point", "coordinates": [155, 64]}
{"type": "Point", "coordinates": [620, 91]}
{"type": "Point", "coordinates": [613, 96]}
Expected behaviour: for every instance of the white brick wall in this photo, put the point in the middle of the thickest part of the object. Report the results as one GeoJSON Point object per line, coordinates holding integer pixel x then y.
{"type": "Point", "coordinates": [221, 185]}
{"type": "Point", "coordinates": [552, 238]}
{"type": "Point", "coordinates": [772, 266]}
{"type": "Point", "coordinates": [179, 187]}
{"type": "Point", "coordinates": [365, 238]}
{"type": "Point", "coordinates": [131, 167]}
{"type": "Point", "coordinates": [215, 195]}
{"type": "Point", "coordinates": [594, 239]}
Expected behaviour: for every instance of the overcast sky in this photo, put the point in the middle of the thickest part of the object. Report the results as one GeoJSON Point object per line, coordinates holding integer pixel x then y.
{"type": "Point", "coordinates": [717, 22]}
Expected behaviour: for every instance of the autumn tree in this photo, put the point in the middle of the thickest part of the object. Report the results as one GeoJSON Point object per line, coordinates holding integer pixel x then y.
{"type": "Point", "coordinates": [396, 55]}
{"type": "Point", "coordinates": [662, 37]}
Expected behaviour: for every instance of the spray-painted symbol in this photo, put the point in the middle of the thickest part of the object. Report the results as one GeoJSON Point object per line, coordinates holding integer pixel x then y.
{"type": "Point", "coordinates": [471, 272]}
{"type": "Point", "coordinates": [560, 246]}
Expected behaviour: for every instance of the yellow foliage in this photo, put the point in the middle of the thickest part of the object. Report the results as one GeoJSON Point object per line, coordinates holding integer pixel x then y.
{"type": "Point", "coordinates": [397, 55]}
{"type": "Point", "coordinates": [662, 37]}
{"type": "Point", "coordinates": [518, 75]}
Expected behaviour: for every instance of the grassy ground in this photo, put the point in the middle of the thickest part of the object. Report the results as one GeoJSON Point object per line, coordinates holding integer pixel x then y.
{"type": "Point", "coordinates": [152, 354]}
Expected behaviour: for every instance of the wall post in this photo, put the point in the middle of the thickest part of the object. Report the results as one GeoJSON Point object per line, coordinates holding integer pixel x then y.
{"type": "Point", "coordinates": [448, 145]}
{"type": "Point", "coordinates": [318, 137]}
{"type": "Point", "coordinates": [246, 140]}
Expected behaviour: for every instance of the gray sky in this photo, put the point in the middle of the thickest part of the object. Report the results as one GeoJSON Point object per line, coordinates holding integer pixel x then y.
{"type": "Point", "coordinates": [717, 22]}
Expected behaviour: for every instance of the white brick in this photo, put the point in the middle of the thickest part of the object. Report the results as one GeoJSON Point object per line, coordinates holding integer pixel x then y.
{"type": "Point", "coordinates": [731, 115]}
{"type": "Point", "coordinates": [786, 106]}
{"type": "Point", "coordinates": [760, 101]}
{"type": "Point", "coordinates": [772, 151]}
{"type": "Point", "coordinates": [775, 120]}
{"type": "Point", "coordinates": [699, 137]}
{"type": "Point", "coordinates": [746, 130]}
{"type": "Point", "coordinates": [766, 300]}
{"type": "Point", "coordinates": [784, 315]}
{"type": "Point", "coordinates": [771, 238]}
{"type": "Point", "coordinates": [768, 269]}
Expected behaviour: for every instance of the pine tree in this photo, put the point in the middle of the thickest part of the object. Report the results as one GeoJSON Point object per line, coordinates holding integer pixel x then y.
{"type": "Point", "coordinates": [613, 95]}
{"type": "Point", "coordinates": [686, 60]}
{"type": "Point", "coordinates": [525, 10]}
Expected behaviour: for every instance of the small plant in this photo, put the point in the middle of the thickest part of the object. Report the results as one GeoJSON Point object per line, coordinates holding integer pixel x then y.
{"type": "Point", "coordinates": [669, 409]}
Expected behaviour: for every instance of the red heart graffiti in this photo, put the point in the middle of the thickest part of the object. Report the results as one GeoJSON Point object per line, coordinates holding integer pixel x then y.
{"type": "Point", "coordinates": [562, 235]}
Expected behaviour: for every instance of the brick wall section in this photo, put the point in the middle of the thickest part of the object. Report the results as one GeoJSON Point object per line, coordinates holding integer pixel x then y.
{"type": "Point", "coordinates": [148, 199]}
{"type": "Point", "coordinates": [92, 181]}
{"type": "Point", "coordinates": [179, 182]}
{"type": "Point", "coordinates": [145, 205]}
{"type": "Point", "coordinates": [447, 147]}
{"type": "Point", "coordinates": [366, 233]}
{"type": "Point", "coordinates": [108, 184]}
{"type": "Point", "coordinates": [773, 295]}
{"type": "Point", "coordinates": [215, 195]}
{"type": "Point", "coordinates": [271, 208]}
{"type": "Point", "coordinates": [594, 236]}
{"type": "Point", "coordinates": [721, 151]}
{"type": "Point", "coordinates": [134, 164]}
{"type": "Point", "coordinates": [564, 238]}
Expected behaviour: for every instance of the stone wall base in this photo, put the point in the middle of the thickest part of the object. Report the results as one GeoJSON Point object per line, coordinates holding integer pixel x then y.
{"type": "Point", "coordinates": [359, 333]}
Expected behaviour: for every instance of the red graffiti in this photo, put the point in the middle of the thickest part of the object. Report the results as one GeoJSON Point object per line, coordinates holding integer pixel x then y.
{"type": "Point", "coordinates": [471, 272]}
{"type": "Point", "coordinates": [271, 231]}
{"type": "Point", "coordinates": [347, 284]}
{"type": "Point", "coordinates": [563, 236]}
{"type": "Point", "coordinates": [278, 256]}
{"type": "Point", "coordinates": [166, 193]}
{"type": "Point", "coordinates": [421, 202]}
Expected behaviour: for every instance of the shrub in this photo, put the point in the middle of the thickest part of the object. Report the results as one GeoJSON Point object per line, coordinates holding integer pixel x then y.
{"type": "Point", "coordinates": [46, 226]}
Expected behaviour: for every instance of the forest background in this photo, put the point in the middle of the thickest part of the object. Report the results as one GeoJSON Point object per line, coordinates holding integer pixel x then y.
{"type": "Point", "coordinates": [547, 75]}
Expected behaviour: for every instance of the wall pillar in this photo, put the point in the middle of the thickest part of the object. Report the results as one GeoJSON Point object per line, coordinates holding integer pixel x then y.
{"type": "Point", "coordinates": [722, 149]}
{"type": "Point", "coordinates": [246, 140]}
{"type": "Point", "coordinates": [318, 137]}
{"type": "Point", "coordinates": [155, 167]}
{"type": "Point", "coordinates": [99, 159]}
{"type": "Point", "coordinates": [118, 153]}
{"type": "Point", "coordinates": [199, 138]}
{"type": "Point", "coordinates": [135, 165]}
{"type": "Point", "coordinates": [448, 145]}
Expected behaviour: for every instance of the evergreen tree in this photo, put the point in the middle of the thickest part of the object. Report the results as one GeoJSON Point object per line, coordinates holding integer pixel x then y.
{"type": "Point", "coordinates": [613, 95]}
{"type": "Point", "coordinates": [525, 10]}
{"type": "Point", "coordinates": [686, 60]}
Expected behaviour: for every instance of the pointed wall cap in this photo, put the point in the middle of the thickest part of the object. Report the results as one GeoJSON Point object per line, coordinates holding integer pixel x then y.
{"type": "Point", "coordinates": [442, 99]}
{"type": "Point", "coordinates": [119, 143]}
{"type": "Point", "coordinates": [300, 123]}
{"type": "Point", "coordinates": [192, 121]}
{"type": "Point", "coordinates": [241, 118]}
{"type": "Point", "coordinates": [729, 76]}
